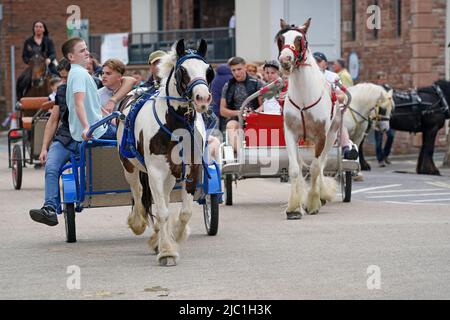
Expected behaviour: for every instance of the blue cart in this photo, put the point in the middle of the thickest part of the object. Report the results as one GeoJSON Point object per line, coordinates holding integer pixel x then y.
{"type": "Point", "coordinates": [88, 183]}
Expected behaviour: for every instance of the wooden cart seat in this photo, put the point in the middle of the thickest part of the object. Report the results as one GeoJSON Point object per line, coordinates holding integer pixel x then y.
{"type": "Point", "coordinates": [32, 103]}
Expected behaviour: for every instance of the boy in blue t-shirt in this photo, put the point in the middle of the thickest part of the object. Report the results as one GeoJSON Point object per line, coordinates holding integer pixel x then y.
{"type": "Point", "coordinates": [83, 102]}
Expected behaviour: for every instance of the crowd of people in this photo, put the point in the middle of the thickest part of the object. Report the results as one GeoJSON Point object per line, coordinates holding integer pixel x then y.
{"type": "Point", "coordinates": [85, 91]}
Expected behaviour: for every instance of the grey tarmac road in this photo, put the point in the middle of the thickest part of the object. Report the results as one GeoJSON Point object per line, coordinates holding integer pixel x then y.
{"type": "Point", "coordinates": [371, 248]}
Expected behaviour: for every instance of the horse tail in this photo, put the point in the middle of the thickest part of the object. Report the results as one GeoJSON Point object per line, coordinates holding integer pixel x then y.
{"type": "Point", "coordinates": [146, 198]}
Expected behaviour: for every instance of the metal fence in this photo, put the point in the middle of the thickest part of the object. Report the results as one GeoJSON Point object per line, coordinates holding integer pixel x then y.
{"type": "Point", "coordinates": [221, 43]}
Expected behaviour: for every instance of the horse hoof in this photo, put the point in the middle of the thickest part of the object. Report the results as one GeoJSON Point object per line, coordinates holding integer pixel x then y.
{"type": "Point", "coordinates": [167, 262]}
{"type": "Point", "coordinates": [293, 215]}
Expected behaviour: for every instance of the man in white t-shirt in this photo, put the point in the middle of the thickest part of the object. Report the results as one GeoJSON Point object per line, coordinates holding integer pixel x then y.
{"type": "Point", "coordinates": [349, 149]}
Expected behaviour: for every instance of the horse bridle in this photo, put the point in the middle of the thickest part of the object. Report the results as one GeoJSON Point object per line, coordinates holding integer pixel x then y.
{"type": "Point", "coordinates": [186, 92]}
{"type": "Point", "coordinates": [299, 55]}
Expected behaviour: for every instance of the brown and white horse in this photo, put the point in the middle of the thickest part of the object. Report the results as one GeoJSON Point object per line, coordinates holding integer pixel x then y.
{"type": "Point", "coordinates": [309, 113]}
{"type": "Point", "coordinates": [35, 80]}
{"type": "Point", "coordinates": [184, 95]}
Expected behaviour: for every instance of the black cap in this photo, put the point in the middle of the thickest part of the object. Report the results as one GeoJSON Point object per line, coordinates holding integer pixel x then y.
{"type": "Point", "coordinates": [320, 56]}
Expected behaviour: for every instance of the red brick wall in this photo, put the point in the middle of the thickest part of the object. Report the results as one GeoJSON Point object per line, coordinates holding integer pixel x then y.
{"type": "Point", "coordinates": [415, 59]}
{"type": "Point", "coordinates": [105, 16]}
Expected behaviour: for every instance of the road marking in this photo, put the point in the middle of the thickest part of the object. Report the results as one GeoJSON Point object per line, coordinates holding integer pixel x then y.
{"type": "Point", "coordinates": [416, 203]}
{"type": "Point", "coordinates": [411, 195]}
{"type": "Point", "coordinates": [431, 200]}
{"type": "Point", "coordinates": [376, 188]}
{"type": "Point", "coordinates": [405, 190]}
{"type": "Point", "coordinates": [439, 184]}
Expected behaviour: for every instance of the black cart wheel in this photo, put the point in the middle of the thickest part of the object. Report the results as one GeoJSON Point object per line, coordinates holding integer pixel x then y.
{"type": "Point", "coordinates": [228, 189]}
{"type": "Point", "coordinates": [17, 165]}
{"type": "Point", "coordinates": [211, 214]}
{"type": "Point", "coordinates": [346, 186]}
{"type": "Point", "coordinates": [69, 217]}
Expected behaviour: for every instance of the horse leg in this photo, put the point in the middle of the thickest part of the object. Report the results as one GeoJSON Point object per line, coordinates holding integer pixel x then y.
{"type": "Point", "coordinates": [158, 172]}
{"type": "Point", "coordinates": [365, 166]}
{"type": "Point", "coordinates": [138, 218]}
{"type": "Point", "coordinates": [425, 164]}
{"type": "Point", "coordinates": [182, 230]}
{"type": "Point", "coordinates": [322, 188]}
{"type": "Point", "coordinates": [295, 209]}
{"type": "Point", "coordinates": [154, 238]}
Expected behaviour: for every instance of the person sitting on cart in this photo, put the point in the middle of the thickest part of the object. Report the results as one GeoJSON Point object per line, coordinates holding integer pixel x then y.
{"type": "Point", "coordinates": [234, 93]}
{"type": "Point", "coordinates": [349, 149]}
{"type": "Point", "coordinates": [63, 144]}
{"type": "Point", "coordinates": [154, 80]}
{"type": "Point", "coordinates": [273, 105]}
{"type": "Point", "coordinates": [113, 78]}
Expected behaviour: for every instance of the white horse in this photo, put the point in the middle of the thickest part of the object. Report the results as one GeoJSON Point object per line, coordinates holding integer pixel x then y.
{"type": "Point", "coordinates": [367, 98]}
{"type": "Point", "coordinates": [309, 112]}
{"type": "Point", "coordinates": [184, 95]}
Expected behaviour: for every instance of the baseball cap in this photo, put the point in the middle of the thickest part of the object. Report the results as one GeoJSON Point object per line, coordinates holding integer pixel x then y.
{"type": "Point", "coordinates": [272, 63]}
{"type": "Point", "coordinates": [156, 55]}
{"type": "Point", "coordinates": [320, 56]}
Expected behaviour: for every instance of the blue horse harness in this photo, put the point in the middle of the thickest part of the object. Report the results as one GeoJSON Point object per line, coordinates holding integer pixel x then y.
{"type": "Point", "coordinates": [128, 144]}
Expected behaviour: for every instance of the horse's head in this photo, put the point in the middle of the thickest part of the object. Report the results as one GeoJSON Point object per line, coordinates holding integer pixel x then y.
{"type": "Point", "coordinates": [38, 69]}
{"type": "Point", "coordinates": [292, 44]}
{"type": "Point", "coordinates": [193, 75]}
{"type": "Point", "coordinates": [385, 104]}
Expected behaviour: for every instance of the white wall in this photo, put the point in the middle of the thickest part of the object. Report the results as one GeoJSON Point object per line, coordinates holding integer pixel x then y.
{"type": "Point", "coordinates": [257, 22]}
{"type": "Point", "coordinates": [144, 15]}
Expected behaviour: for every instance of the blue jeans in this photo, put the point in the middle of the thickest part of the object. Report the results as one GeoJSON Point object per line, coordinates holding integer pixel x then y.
{"type": "Point", "coordinates": [383, 153]}
{"type": "Point", "coordinates": [110, 133]}
{"type": "Point", "coordinates": [57, 157]}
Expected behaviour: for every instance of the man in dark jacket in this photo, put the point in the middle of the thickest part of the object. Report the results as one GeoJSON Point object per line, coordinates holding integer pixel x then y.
{"type": "Point", "coordinates": [223, 75]}
{"type": "Point", "coordinates": [234, 93]}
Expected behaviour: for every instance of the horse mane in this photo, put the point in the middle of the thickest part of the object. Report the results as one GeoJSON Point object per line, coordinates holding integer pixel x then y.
{"type": "Point", "coordinates": [167, 63]}
{"type": "Point", "coordinates": [445, 86]}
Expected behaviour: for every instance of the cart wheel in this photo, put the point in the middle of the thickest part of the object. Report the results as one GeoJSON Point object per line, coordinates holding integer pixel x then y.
{"type": "Point", "coordinates": [211, 214]}
{"type": "Point", "coordinates": [229, 189]}
{"type": "Point", "coordinates": [346, 186]}
{"type": "Point", "coordinates": [17, 165]}
{"type": "Point", "coordinates": [69, 217]}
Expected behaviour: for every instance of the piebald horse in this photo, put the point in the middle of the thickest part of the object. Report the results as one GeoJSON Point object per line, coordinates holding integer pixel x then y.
{"type": "Point", "coordinates": [309, 113]}
{"type": "Point", "coordinates": [184, 95]}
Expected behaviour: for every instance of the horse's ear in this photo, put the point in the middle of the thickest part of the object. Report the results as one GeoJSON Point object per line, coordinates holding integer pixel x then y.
{"type": "Point", "coordinates": [202, 48]}
{"type": "Point", "coordinates": [180, 48]}
{"type": "Point", "coordinates": [283, 24]}
{"type": "Point", "coordinates": [306, 25]}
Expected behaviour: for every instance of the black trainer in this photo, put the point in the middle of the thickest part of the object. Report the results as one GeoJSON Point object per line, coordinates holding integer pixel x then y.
{"type": "Point", "coordinates": [350, 154]}
{"type": "Point", "coordinates": [45, 215]}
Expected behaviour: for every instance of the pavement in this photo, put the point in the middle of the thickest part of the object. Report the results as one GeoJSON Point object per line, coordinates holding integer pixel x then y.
{"type": "Point", "coordinates": [371, 248]}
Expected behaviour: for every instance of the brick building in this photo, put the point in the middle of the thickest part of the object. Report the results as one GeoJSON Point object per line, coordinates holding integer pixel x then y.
{"type": "Point", "coordinates": [18, 18]}
{"type": "Point", "coordinates": [410, 47]}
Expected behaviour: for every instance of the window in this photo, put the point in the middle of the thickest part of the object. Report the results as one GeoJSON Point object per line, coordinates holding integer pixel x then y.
{"type": "Point", "coordinates": [398, 16]}
{"type": "Point", "coordinates": [375, 31]}
{"type": "Point", "coordinates": [353, 32]}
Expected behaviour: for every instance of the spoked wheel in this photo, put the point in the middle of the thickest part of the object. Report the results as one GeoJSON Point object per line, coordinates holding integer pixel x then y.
{"type": "Point", "coordinates": [346, 186]}
{"type": "Point", "coordinates": [17, 165]}
{"type": "Point", "coordinates": [69, 217]}
{"type": "Point", "coordinates": [228, 189]}
{"type": "Point", "coordinates": [211, 214]}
